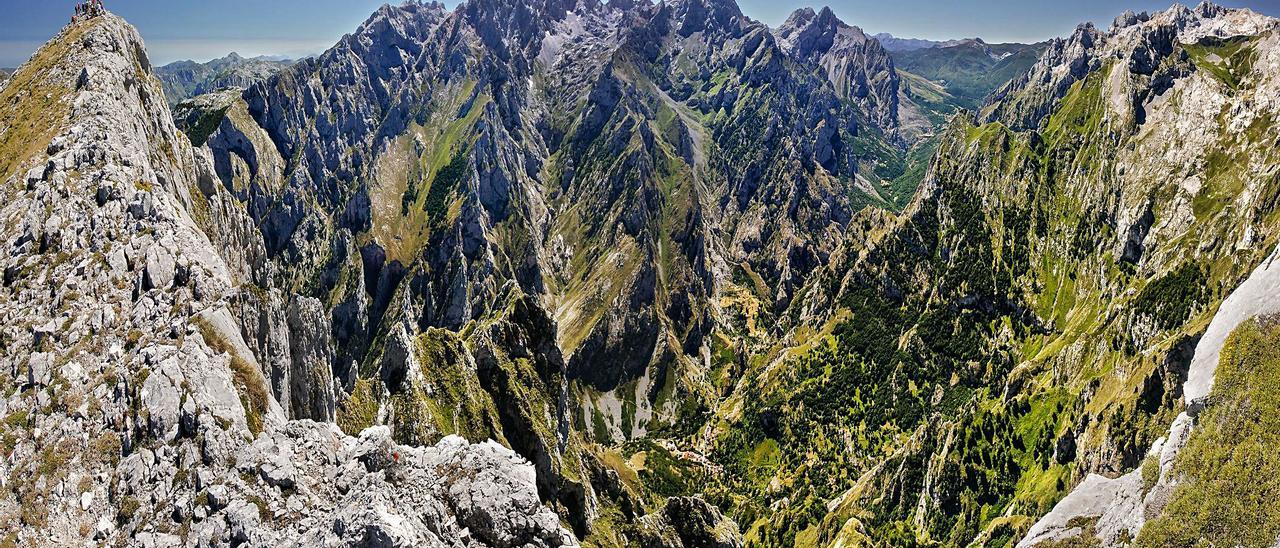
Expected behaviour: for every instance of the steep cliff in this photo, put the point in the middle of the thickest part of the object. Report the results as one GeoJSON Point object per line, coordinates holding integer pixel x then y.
{"type": "Point", "coordinates": [855, 64]}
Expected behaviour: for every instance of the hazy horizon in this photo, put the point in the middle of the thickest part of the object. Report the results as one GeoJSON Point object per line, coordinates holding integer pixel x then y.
{"type": "Point", "coordinates": [297, 28]}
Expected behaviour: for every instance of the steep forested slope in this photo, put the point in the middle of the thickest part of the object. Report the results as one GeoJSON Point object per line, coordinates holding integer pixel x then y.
{"type": "Point", "coordinates": [1029, 319]}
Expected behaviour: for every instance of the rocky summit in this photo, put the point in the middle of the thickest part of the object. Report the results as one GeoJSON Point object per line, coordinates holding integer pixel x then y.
{"type": "Point", "coordinates": [536, 273]}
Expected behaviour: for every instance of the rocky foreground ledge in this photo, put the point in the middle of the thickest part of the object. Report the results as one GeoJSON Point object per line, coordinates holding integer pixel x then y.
{"type": "Point", "coordinates": [132, 411]}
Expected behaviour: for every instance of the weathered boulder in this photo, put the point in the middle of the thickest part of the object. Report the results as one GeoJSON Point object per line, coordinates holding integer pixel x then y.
{"type": "Point", "coordinates": [160, 267]}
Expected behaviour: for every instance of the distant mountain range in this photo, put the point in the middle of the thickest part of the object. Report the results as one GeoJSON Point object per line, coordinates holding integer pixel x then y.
{"type": "Point", "coordinates": [185, 79]}
{"type": "Point", "coordinates": [967, 70]}
{"type": "Point", "coordinates": [942, 75]}
{"type": "Point", "coordinates": [895, 44]}
{"type": "Point", "coordinates": [4, 74]}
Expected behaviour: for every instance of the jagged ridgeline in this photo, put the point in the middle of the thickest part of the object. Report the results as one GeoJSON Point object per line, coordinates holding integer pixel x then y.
{"type": "Point", "coordinates": [549, 273]}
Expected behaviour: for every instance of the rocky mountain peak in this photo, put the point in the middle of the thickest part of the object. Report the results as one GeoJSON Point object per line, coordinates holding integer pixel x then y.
{"type": "Point", "coordinates": [716, 17]}
{"type": "Point", "coordinates": [801, 16]}
{"type": "Point", "coordinates": [519, 25]}
{"type": "Point", "coordinates": [1205, 20]}
{"type": "Point", "coordinates": [855, 64]}
{"type": "Point", "coordinates": [391, 26]}
{"type": "Point", "coordinates": [1128, 19]}
{"type": "Point", "coordinates": [1084, 35]}
{"type": "Point", "coordinates": [1206, 9]}
{"type": "Point", "coordinates": [403, 19]}
{"type": "Point", "coordinates": [1063, 62]}
{"type": "Point", "coordinates": [407, 7]}
{"type": "Point", "coordinates": [626, 5]}
{"type": "Point", "coordinates": [806, 32]}
{"type": "Point", "coordinates": [806, 16]}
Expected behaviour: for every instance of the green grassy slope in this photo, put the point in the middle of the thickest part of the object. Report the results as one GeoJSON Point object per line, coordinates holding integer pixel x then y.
{"type": "Point", "coordinates": [1229, 472]}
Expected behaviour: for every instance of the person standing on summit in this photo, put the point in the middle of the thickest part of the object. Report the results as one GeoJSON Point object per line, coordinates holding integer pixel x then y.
{"type": "Point", "coordinates": [87, 10]}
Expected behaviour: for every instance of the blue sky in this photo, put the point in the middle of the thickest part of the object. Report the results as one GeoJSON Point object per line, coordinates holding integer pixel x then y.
{"type": "Point", "coordinates": [203, 29]}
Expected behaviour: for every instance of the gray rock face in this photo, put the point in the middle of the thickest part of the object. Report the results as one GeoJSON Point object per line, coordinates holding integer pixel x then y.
{"type": "Point", "coordinates": [311, 359]}
{"type": "Point", "coordinates": [324, 488]}
{"type": "Point", "coordinates": [399, 361]}
{"type": "Point", "coordinates": [291, 337]}
{"type": "Point", "coordinates": [1129, 19]}
{"type": "Point", "coordinates": [159, 270]}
